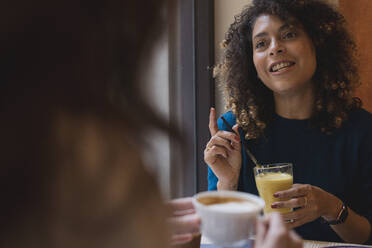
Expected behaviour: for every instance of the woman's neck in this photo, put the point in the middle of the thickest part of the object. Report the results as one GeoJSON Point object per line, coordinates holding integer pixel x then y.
{"type": "Point", "coordinates": [295, 106]}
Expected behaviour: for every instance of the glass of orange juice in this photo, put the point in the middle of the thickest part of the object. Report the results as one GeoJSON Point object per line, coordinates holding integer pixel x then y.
{"type": "Point", "coordinates": [271, 178]}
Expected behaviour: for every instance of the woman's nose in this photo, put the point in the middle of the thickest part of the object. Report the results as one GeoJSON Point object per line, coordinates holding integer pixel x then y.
{"type": "Point", "coordinates": [276, 48]}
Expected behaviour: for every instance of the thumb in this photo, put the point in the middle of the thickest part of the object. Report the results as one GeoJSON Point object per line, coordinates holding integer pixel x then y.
{"type": "Point", "coordinates": [236, 129]}
{"type": "Point", "coordinates": [261, 231]}
{"type": "Point", "coordinates": [236, 145]}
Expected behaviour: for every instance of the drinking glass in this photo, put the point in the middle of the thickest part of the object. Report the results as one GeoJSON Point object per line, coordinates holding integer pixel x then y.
{"type": "Point", "coordinates": [271, 178]}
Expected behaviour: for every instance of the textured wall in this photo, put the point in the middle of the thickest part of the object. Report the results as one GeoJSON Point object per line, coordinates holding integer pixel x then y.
{"type": "Point", "coordinates": [358, 15]}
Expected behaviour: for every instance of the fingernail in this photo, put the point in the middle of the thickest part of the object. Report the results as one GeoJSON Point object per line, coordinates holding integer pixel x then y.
{"type": "Point", "coordinates": [276, 195]}
{"type": "Point", "coordinates": [237, 138]}
{"type": "Point", "coordinates": [274, 205]}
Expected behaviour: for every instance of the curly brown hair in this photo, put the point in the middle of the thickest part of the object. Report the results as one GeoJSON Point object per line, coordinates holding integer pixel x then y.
{"type": "Point", "coordinates": [336, 76]}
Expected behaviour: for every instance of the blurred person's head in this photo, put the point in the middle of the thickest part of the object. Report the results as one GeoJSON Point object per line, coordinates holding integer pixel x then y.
{"type": "Point", "coordinates": [71, 117]}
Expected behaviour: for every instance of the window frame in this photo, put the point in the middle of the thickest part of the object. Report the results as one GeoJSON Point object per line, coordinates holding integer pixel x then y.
{"type": "Point", "coordinates": [192, 93]}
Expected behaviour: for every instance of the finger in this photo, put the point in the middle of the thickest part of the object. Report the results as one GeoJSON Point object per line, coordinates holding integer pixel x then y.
{"type": "Point", "coordinates": [216, 158]}
{"type": "Point", "coordinates": [292, 203]}
{"type": "Point", "coordinates": [297, 191]}
{"type": "Point", "coordinates": [180, 204]}
{"type": "Point", "coordinates": [277, 228]}
{"type": "Point", "coordinates": [277, 232]}
{"type": "Point", "coordinates": [218, 141]}
{"type": "Point", "coordinates": [261, 232]}
{"type": "Point", "coordinates": [295, 215]}
{"type": "Point", "coordinates": [230, 136]}
{"type": "Point", "coordinates": [296, 223]}
{"type": "Point", "coordinates": [236, 129]}
{"type": "Point", "coordinates": [184, 224]}
{"type": "Point", "coordinates": [215, 151]}
{"type": "Point", "coordinates": [181, 239]}
{"type": "Point", "coordinates": [236, 146]}
{"type": "Point", "coordinates": [213, 127]}
{"type": "Point", "coordinates": [183, 212]}
{"type": "Point", "coordinates": [276, 222]}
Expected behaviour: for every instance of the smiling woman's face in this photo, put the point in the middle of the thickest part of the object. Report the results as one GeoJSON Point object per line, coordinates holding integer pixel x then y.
{"type": "Point", "coordinates": [283, 55]}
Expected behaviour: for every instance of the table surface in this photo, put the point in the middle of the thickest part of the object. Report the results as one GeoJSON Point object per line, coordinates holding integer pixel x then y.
{"type": "Point", "coordinates": [318, 244]}
{"type": "Point", "coordinates": [307, 243]}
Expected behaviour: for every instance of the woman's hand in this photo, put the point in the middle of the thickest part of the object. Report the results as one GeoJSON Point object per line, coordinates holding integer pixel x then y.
{"type": "Point", "coordinates": [223, 154]}
{"type": "Point", "coordinates": [272, 233]}
{"type": "Point", "coordinates": [312, 201]}
{"type": "Point", "coordinates": [183, 221]}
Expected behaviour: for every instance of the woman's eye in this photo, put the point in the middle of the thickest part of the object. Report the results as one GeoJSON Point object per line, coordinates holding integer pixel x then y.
{"type": "Point", "coordinates": [260, 44]}
{"type": "Point", "coordinates": [289, 35]}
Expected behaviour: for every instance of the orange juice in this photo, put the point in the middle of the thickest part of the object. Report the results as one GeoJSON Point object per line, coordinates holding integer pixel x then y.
{"type": "Point", "coordinates": [270, 183]}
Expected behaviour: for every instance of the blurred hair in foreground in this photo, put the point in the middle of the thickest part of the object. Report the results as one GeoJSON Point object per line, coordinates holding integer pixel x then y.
{"type": "Point", "coordinates": [71, 124]}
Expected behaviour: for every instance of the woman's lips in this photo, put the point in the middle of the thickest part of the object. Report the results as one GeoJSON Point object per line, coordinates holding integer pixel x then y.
{"type": "Point", "coordinates": [281, 67]}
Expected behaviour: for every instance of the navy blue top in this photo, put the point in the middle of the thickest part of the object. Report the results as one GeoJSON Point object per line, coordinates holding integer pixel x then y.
{"type": "Point", "coordinates": [340, 163]}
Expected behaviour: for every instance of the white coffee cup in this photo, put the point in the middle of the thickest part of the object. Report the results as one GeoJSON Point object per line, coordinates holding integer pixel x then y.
{"type": "Point", "coordinates": [231, 223]}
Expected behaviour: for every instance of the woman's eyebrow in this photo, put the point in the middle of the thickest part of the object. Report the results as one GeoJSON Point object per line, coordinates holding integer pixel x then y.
{"type": "Point", "coordinates": [283, 27]}
{"type": "Point", "coordinates": [286, 26]}
{"type": "Point", "coordinates": [260, 35]}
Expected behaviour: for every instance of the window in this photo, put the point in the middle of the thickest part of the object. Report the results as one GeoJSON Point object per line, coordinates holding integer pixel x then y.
{"type": "Point", "coordinates": [191, 91]}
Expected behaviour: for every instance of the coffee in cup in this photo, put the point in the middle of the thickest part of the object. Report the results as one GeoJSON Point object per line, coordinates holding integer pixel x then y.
{"type": "Point", "coordinates": [228, 217]}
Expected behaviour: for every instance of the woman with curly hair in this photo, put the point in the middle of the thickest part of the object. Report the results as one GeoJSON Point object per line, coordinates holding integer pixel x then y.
{"type": "Point", "coordinates": [289, 74]}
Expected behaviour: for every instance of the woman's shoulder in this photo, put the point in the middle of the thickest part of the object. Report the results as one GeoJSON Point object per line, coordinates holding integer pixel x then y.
{"type": "Point", "coordinates": [359, 122]}
{"type": "Point", "coordinates": [229, 117]}
{"type": "Point", "coordinates": [360, 117]}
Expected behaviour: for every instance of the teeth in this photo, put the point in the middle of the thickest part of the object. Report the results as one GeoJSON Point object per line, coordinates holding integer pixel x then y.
{"type": "Point", "coordinates": [280, 66]}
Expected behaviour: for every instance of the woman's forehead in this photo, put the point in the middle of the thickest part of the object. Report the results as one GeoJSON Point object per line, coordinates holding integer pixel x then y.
{"type": "Point", "coordinates": [265, 21]}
